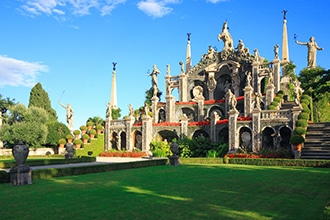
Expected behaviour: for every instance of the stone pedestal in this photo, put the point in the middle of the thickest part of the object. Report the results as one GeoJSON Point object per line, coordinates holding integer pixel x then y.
{"type": "Point", "coordinates": [20, 175]}
{"type": "Point", "coordinates": [174, 160]}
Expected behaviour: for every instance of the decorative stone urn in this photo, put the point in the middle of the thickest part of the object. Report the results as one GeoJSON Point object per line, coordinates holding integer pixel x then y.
{"type": "Point", "coordinates": [21, 173]}
{"type": "Point", "coordinates": [20, 153]}
{"type": "Point", "coordinates": [174, 159]}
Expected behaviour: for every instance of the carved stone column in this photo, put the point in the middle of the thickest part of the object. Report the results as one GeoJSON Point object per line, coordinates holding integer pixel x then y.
{"type": "Point", "coordinates": [255, 77]}
{"type": "Point", "coordinates": [107, 135]}
{"type": "Point", "coordinates": [129, 121]}
{"type": "Point", "coordinates": [277, 76]}
{"type": "Point", "coordinates": [183, 88]}
{"type": "Point", "coordinates": [170, 108]}
{"type": "Point", "coordinates": [256, 137]}
{"type": "Point", "coordinates": [233, 133]}
{"type": "Point", "coordinates": [200, 112]}
{"type": "Point", "coordinates": [146, 133]}
{"type": "Point", "coordinates": [236, 81]}
{"type": "Point", "coordinates": [269, 93]}
{"type": "Point", "coordinates": [214, 118]}
{"type": "Point", "coordinates": [248, 91]}
{"type": "Point", "coordinates": [154, 102]}
{"type": "Point", "coordinates": [184, 127]}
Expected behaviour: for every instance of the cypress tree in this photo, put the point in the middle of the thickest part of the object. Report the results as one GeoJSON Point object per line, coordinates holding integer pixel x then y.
{"type": "Point", "coordinates": [39, 98]}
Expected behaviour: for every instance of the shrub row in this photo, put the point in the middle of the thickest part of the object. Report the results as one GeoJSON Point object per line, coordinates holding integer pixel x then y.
{"type": "Point", "coordinates": [259, 162]}
{"type": "Point", "coordinates": [42, 162]}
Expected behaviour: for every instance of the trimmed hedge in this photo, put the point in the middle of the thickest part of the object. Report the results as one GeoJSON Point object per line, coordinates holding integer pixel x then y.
{"type": "Point", "coordinates": [301, 123]}
{"type": "Point", "coordinates": [259, 162]}
{"type": "Point", "coordinates": [68, 171]}
{"type": "Point", "coordinates": [42, 162]}
{"type": "Point", "coordinates": [303, 115]}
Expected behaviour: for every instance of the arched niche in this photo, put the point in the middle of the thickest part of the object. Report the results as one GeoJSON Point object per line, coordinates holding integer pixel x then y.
{"type": "Point", "coordinates": [201, 133]}
{"type": "Point", "coordinates": [123, 141]}
{"type": "Point", "coordinates": [245, 139]}
{"type": "Point", "coordinates": [114, 140]}
{"type": "Point", "coordinates": [285, 134]}
{"type": "Point", "coordinates": [268, 135]}
{"type": "Point", "coordinates": [223, 135]}
{"type": "Point", "coordinates": [137, 140]}
{"type": "Point", "coordinates": [167, 135]}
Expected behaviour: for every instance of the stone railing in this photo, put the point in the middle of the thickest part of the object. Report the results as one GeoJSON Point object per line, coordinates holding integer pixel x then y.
{"type": "Point", "coordinates": [117, 123]}
{"type": "Point", "coordinates": [276, 114]}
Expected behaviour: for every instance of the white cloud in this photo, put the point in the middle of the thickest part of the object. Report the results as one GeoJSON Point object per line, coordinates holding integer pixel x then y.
{"type": "Point", "coordinates": [77, 7]}
{"type": "Point", "coordinates": [15, 72]}
{"type": "Point", "coordinates": [216, 1]}
{"type": "Point", "coordinates": [155, 8]}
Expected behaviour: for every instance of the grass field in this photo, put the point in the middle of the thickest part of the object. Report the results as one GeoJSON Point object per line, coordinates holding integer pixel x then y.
{"type": "Point", "coordinates": [166, 192]}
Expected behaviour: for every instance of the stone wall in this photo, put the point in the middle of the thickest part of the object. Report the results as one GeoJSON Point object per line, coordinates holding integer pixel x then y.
{"type": "Point", "coordinates": [33, 151]}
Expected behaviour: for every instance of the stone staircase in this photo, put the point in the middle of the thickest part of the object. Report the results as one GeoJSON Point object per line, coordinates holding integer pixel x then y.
{"type": "Point", "coordinates": [317, 142]}
{"type": "Point", "coordinates": [288, 105]}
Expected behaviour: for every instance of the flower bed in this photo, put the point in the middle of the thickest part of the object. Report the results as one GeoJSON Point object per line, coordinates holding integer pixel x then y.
{"type": "Point", "coordinates": [123, 154]}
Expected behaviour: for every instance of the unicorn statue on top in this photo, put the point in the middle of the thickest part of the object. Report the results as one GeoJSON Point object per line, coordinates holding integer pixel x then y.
{"type": "Point", "coordinates": [226, 38]}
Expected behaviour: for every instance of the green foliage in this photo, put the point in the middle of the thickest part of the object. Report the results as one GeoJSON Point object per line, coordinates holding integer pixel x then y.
{"type": "Point", "coordinates": [92, 131]}
{"type": "Point", "coordinates": [115, 113]}
{"type": "Point", "coordinates": [272, 107]}
{"type": "Point", "coordinates": [5, 103]}
{"type": "Point", "coordinates": [90, 123]}
{"type": "Point", "coordinates": [296, 139]}
{"type": "Point", "coordinates": [61, 141]}
{"type": "Point", "coordinates": [99, 127]}
{"type": "Point", "coordinates": [305, 101]}
{"type": "Point", "coordinates": [289, 68]}
{"type": "Point", "coordinates": [304, 116]}
{"type": "Point", "coordinates": [301, 123]}
{"type": "Point", "coordinates": [299, 131]}
{"type": "Point", "coordinates": [96, 120]}
{"type": "Point", "coordinates": [85, 136]}
{"type": "Point", "coordinates": [39, 98]}
{"type": "Point", "coordinates": [69, 136]}
{"type": "Point", "coordinates": [76, 132]}
{"type": "Point", "coordinates": [274, 103]}
{"type": "Point", "coordinates": [200, 146]}
{"type": "Point", "coordinates": [83, 128]}
{"type": "Point", "coordinates": [160, 148]}
{"type": "Point", "coordinates": [27, 125]}
{"type": "Point", "coordinates": [56, 130]}
{"type": "Point", "coordinates": [77, 141]}
{"type": "Point", "coordinates": [277, 99]}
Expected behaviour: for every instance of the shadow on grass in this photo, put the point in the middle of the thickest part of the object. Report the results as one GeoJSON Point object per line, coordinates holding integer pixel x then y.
{"type": "Point", "coordinates": [183, 192]}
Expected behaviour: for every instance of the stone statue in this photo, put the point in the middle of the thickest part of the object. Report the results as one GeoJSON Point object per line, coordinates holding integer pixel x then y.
{"type": "Point", "coordinates": [181, 67]}
{"type": "Point", "coordinates": [131, 110]}
{"type": "Point", "coordinates": [226, 37]}
{"type": "Point", "coordinates": [69, 114]}
{"type": "Point", "coordinates": [256, 55]}
{"type": "Point", "coordinates": [312, 47]}
{"type": "Point", "coordinates": [211, 83]}
{"type": "Point", "coordinates": [154, 80]}
{"type": "Point", "coordinates": [241, 48]}
{"type": "Point", "coordinates": [168, 69]}
{"type": "Point", "coordinates": [198, 93]}
{"type": "Point", "coordinates": [109, 111]}
{"type": "Point", "coordinates": [258, 100]}
{"type": "Point", "coordinates": [276, 51]}
{"type": "Point", "coordinates": [114, 66]}
{"type": "Point", "coordinates": [70, 150]}
{"type": "Point", "coordinates": [146, 109]}
{"type": "Point", "coordinates": [248, 78]}
{"type": "Point", "coordinates": [231, 99]}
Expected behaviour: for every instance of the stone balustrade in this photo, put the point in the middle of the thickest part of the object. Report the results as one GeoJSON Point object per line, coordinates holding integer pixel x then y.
{"type": "Point", "coordinates": [276, 114]}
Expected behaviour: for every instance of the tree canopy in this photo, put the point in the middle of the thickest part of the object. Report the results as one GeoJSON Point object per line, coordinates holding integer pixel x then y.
{"type": "Point", "coordinates": [39, 98]}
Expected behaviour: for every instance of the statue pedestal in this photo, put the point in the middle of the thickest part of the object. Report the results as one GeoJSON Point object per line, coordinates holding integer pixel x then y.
{"type": "Point", "coordinates": [174, 160]}
{"type": "Point", "coordinates": [20, 175]}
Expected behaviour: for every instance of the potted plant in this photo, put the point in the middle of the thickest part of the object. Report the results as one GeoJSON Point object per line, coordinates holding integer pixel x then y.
{"type": "Point", "coordinates": [85, 138]}
{"type": "Point", "coordinates": [76, 134]}
{"type": "Point", "coordinates": [92, 133]}
{"type": "Point", "coordinates": [99, 128]}
{"type": "Point", "coordinates": [90, 125]}
{"type": "Point", "coordinates": [69, 137]}
{"type": "Point", "coordinates": [83, 129]}
{"type": "Point", "coordinates": [77, 143]}
{"type": "Point", "coordinates": [297, 141]}
{"type": "Point", "coordinates": [61, 142]}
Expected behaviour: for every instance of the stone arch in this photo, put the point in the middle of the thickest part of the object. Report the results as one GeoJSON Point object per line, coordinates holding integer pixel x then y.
{"type": "Point", "coordinates": [123, 141]}
{"type": "Point", "coordinates": [223, 135]}
{"type": "Point", "coordinates": [245, 138]}
{"type": "Point", "coordinates": [137, 140]}
{"type": "Point", "coordinates": [201, 84]}
{"type": "Point", "coordinates": [190, 113]}
{"type": "Point", "coordinates": [200, 133]}
{"type": "Point", "coordinates": [284, 137]}
{"type": "Point", "coordinates": [216, 109]}
{"type": "Point", "coordinates": [224, 82]}
{"type": "Point", "coordinates": [167, 135]}
{"type": "Point", "coordinates": [268, 134]}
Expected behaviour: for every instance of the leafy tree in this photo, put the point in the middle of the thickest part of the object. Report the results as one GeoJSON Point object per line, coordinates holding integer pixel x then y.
{"type": "Point", "coordinates": [115, 113]}
{"type": "Point", "coordinates": [5, 103]}
{"type": "Point", "coordinates": [96, 120]}
{"type": "Point", "coordinates": [39, 98]}
{"type": "Point", "coordinates": [149, 94]}
{"type": "Point", "coordinates": [56, 131]}
{"type": "Point", "coordinates": [27, 125]}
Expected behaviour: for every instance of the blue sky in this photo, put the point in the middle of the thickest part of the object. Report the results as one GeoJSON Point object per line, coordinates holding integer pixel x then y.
{"type": "Point", "coordinates": [69, 45]}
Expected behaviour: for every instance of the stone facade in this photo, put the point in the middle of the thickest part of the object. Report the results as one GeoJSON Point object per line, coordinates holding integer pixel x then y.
{"type": "Point", "coordinates": [224, 97]}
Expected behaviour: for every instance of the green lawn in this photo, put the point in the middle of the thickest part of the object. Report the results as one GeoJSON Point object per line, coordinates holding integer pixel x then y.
{"type": "Point", "coordinates": [165, 192]}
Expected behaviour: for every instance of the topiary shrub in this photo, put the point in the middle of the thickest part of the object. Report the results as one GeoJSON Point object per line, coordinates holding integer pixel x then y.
{"type": "Point", "coordinates": [296, 139]}
{"type": "Point", "coordinates": [299, 131]}
{"type": "Point", "coordinates": [272, 107]}
{"type": "Point", "coordinates": [301, 123]}
{"type": "Point", "coordinates": [83, 128]}
{"type": "Point", "coordinates": [69, 136]}
{"type": "Point", "coordinates": [76, 132]}
{"type": "Point", "coordinates": [77, 141]}
{"type": "Point", "coordinates": [305, 101]}
{"type": "Point", "coordinates": [62, 141]}
{"type": "Point", "coordinates": [277, 99]}
{"type": "Point", "coordinates": [99, 127]}
{"type": "Point", "coordinates": [92, 131]}
{"type": "Point", "coordinates": [275, 103]}
{"type": "Point", "coordinates": [304, 106]}
{"type": "Point", "coordinates": [85, 136]}
{"type": "Point", "coordinates": [304, 116]}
